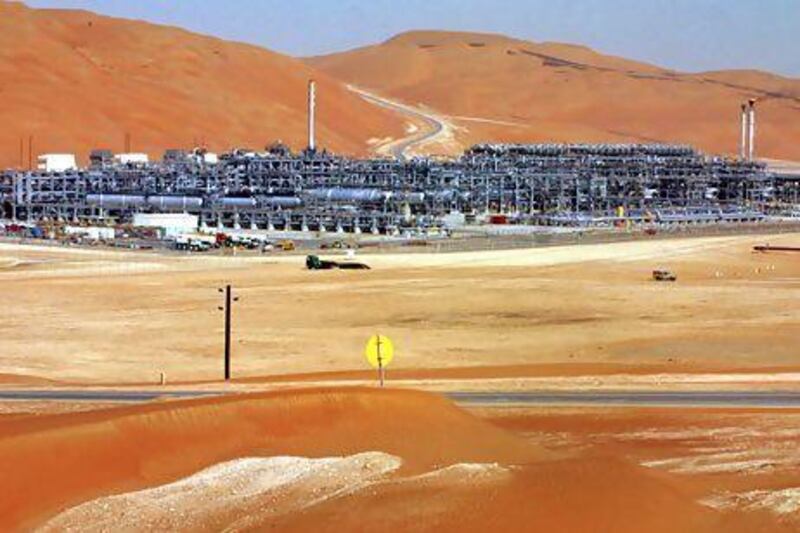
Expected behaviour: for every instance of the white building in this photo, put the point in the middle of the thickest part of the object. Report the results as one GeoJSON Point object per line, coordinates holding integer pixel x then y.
{"type": "Point", "coordinates": [94, 233]}
{"type": "Point", "coordinates": [173, 224]}
{"type": "Point", "coordinates": [56, 162]}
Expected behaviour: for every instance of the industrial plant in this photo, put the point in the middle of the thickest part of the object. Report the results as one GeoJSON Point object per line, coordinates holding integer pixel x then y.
{"type": "Point", "coordinates": [533, 184]}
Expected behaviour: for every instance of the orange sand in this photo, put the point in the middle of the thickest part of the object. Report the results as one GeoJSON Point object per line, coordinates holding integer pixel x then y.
{"type": "Point", "coordinates": [564, 313]}
{"type": "Point", "coordinates": [569, 470]}
{"type": "Point", "coordinates": [50, 462]}
{"type": "Point", "coordinates": [76, 81]}
{"type": "Point", "coordinates": [566, 93]}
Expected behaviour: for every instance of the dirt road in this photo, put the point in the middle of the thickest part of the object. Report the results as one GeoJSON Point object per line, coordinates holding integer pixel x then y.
{"type": "Point", "coordinates": [429, 127]}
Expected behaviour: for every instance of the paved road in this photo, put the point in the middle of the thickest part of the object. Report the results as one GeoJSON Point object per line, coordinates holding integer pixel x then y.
{"type": "Point", "coordinates": [78, 395]}
{"type": "Point", "coordinates": [585, 398]}
{"type": "Point", "coordinates": [398, 148]}
{"type": "Point", "coordinates": [650, 398]}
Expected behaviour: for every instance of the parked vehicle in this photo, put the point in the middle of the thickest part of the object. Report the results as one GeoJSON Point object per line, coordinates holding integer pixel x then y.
{"type": "Point", "coordinates": [313, 262]}
{"type": "Point", "coordinates": [664, 275]}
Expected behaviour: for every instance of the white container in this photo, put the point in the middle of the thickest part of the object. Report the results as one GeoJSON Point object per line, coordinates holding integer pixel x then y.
{"type": "Point", "coordinates": [56, 162]}
{"type": "Point", "coordinates": [172, 223]}
{"type": "Point", "coordinates": [94, 233]}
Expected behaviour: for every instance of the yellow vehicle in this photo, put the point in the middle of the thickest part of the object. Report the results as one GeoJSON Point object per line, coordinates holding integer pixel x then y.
{"type": "Point", "coordinates": [287, 245]}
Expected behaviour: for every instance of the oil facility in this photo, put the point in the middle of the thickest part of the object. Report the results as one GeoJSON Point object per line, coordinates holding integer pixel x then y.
{"type": "Point", "coordinates": [313, 190]}
{"type": "Point", "coordinates": [543, 184]}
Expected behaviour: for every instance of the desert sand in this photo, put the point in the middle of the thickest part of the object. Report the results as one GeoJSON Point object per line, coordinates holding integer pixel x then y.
{"type": "Point", "coordinates": [75, 81]}
{"type": "Point", "coordinates": [368, 459]}
{"type": "Point", "coordinates": [327, 452]}
{"type": "Point", "coordinates": [496, 88]}
{"type": "Point", "coordinates": [78, 81]}
{"type": "Point", "coordinates": [93, 316]}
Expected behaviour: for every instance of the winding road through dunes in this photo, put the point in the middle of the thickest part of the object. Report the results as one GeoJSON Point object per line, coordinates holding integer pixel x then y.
{"type": "Point", "coordinates": [429, 126]}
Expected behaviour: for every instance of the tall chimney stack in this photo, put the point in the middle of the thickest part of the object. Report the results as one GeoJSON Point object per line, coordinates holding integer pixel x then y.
{"type": "Point", "coordinates": [312, 109]}
{"type": "Point", "coordinates": [752, 113]}
{"type": "Point", "coordinates": [745, 128]}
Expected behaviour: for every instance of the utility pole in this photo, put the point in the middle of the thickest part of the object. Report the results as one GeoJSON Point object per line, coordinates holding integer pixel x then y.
{"type": "Point", "coordinates": [380, 359]}
{"type": "Point", "coordinates": [226, 308]}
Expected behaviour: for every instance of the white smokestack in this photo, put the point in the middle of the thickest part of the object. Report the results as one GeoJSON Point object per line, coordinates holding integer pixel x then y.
{"type": "Point", "coordinates": [312, 108]}
{"type": "Point", "coordinates": [752, 129]}
{"type": "Point", "coordinates": [745, 127]}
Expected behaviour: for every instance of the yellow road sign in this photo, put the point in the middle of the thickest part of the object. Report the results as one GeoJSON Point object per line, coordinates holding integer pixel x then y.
{"type": "Point", "coordinates": [379, 351]}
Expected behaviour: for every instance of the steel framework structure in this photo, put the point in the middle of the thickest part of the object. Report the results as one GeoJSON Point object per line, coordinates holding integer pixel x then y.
{"type": "Point", "coordinates": [537, 183]}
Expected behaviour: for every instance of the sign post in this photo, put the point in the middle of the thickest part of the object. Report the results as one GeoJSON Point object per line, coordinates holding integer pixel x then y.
{"type": "Point", "coordinates": [379, 353]}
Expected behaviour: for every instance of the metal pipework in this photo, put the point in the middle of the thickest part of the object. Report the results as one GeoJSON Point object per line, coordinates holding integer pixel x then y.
{"type": "Point", "coordinates": [172, 203]}
{"type": "Point", "coordinates": [238, 202]}
{"type": "Point", "coordinates": [347, 195]}
{"type": "Point", "coordinates": [115, 201]}
{"type": "Point", "coordinates": [280, 201]}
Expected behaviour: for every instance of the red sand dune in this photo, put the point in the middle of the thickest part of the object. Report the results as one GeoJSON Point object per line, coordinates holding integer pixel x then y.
{"type": "Point", "coordinates": [76, 81]}
{"type": "Point", "coordinates": [49, 463]}
{"type": "Point", "coordinates": [561, 92]}
{"type": "Point", "coordinates": [24, 379]}
{"type": "Point", "coordinates": [598, 494]}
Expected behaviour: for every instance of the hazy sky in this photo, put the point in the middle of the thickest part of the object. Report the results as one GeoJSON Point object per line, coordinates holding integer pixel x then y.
{"type": "Point", "coordinates": [687, 35]}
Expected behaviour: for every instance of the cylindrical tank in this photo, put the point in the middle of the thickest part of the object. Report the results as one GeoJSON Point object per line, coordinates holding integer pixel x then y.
{"type": "Point", "coordinates": [238, 203]}
{"type": "Point", "coordinates": [115, 201]}
{"type": "Point", "coordinates": [411, 198]}
{"type": "Point", "coordinates": [347, 195]}
{"type": "Point", "coordinates": [280, 201]}
{"type": "Point", "coordinates": [175, 203]}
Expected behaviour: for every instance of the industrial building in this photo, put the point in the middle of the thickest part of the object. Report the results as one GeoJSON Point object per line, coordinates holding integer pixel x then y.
{"type": "Point", "coordinates": [551, 184]}
{"type": "Point", "coordinates": [538, 184]}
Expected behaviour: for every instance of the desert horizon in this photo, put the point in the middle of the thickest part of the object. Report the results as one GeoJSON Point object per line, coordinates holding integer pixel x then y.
{"type": "Point", "coordinates": [510, 91]}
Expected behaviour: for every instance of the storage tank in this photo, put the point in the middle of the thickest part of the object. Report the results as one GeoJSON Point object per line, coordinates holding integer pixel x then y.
{"type": "Point", "coordinates": [175, 203]}
{"type": "Point", "coordinates": [412, 198]}
{"type": "Point", "coordinates": [237, 203]}
{"type": "Point", "coordinates": [280, 201]}
{"type": "Point", "coordinates": [115, 201]}
{"type": "Point", "coordinates": [347, 195]}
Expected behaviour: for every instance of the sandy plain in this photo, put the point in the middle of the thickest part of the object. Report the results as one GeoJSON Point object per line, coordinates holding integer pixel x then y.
{"type": "Point", "coordinates": [93, 316]}
{"type": "Point", "coordinates": [326, 449]}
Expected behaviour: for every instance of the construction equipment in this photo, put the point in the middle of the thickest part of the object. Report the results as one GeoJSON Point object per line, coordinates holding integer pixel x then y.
{"type": "Point", "coordinates": [768, 248]}
{"type": "Point", "coordinates": [353, 266]}
{"type": "Point", "coordinates": [287, 245]}
{"type": "Point", "coordinates": [313, 262]}
{"type": "Point", "coordinates": [664, 275]}
{"type": "Point", "coordinates": [335, 245]}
